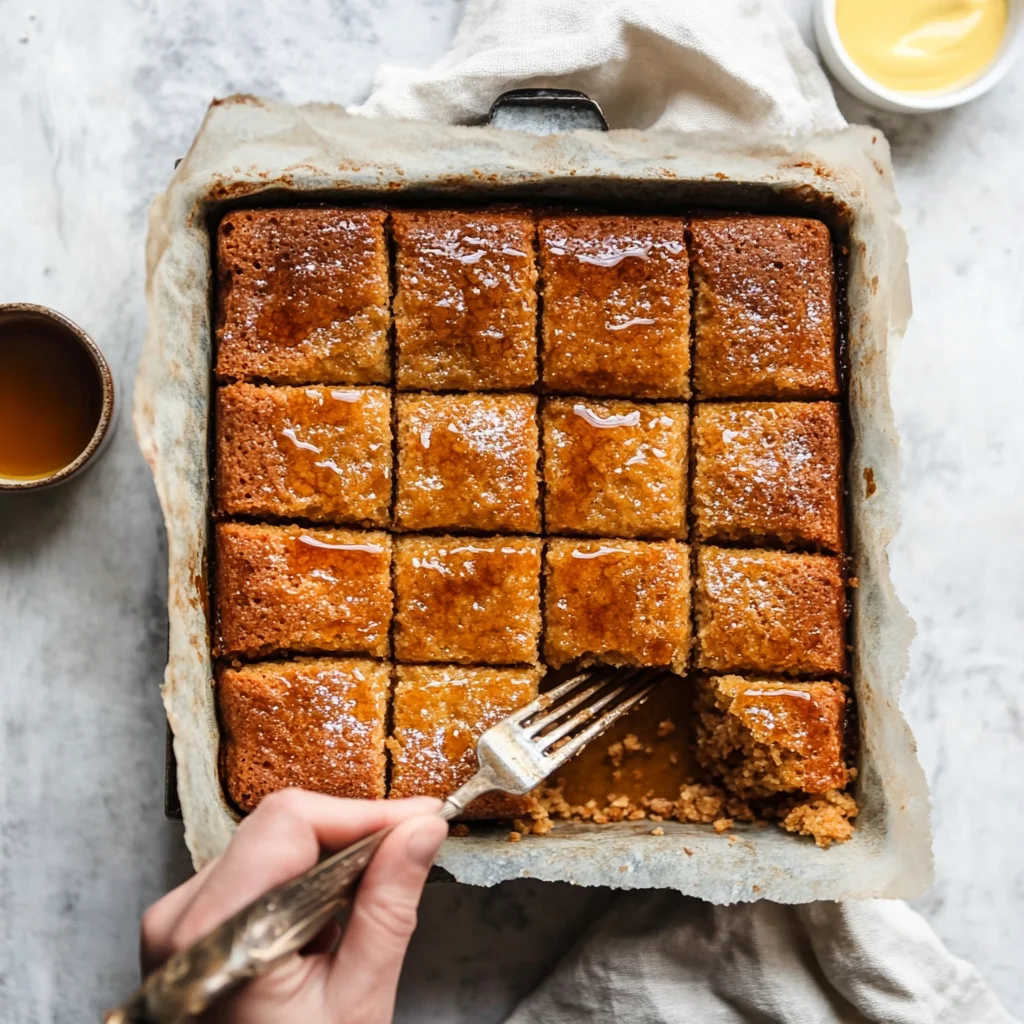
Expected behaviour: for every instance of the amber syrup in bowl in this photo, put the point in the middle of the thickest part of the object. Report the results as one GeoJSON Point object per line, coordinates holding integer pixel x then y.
{"type": "Point", "coordinates": [56, 398]}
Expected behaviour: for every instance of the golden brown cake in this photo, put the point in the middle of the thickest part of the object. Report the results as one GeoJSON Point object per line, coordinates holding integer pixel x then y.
{"type": "Point", "coordinates": [468, 462]}
{"type": "Point", "coordinates": [616, 306]}
{"type": "Point", "coordinates": [439, 713]}
{"type": "Point", "coordinates": [467, 600]}
{"type": "Point", "coordinates": [768, 473]}
{"type": "Point", "coordinates": [466, 300]}
{"type": "Point", "coordinates": [622, 602]}
{"type": "Point", "coordinates": [317, 723]}
{"type": "Point", "coordinates": [765, 736]}
{"type": "Point", "coordinates": [826, 817]}
{"type": "Point", "coordinates": [769, 611]}
{"type": "Point", "coordinates": [290, 588]}
{"type": "Point", "coordinates": [765, 308]}
{"type": "Point", "coordinates": [320, 453]}
{"type": "Point", "coordinates": [615, 468]}
{"type": "Point", "coordinates": [303, 296]}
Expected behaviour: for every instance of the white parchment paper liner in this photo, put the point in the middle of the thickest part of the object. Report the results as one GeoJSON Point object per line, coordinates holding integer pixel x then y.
{"type": "Point", "coordinates": [247, 146]}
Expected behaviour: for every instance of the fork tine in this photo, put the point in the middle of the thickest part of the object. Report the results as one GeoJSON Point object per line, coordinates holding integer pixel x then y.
{"type": "Point", "coordinates": [556, 758]}
{"type": "Point", "coordinates": [625, 683]}
{"type": "Point", "coordinates": [549, 697]}
{"type": "Point", "coordinates": [545, 740]}
{"type": "Point", "coordinates": [553, 711]}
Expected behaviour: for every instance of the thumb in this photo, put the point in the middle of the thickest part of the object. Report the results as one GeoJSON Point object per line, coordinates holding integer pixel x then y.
{"type": "Point", "coordinates": [367, 965]}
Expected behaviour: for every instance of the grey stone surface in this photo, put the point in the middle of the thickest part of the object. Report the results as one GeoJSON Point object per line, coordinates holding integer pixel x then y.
{"type": "Point", "coordinates": [96, 101]}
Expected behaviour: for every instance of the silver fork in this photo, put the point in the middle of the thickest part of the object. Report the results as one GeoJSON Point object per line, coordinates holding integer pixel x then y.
{"type": "Point", "coordinates": [514, 756]}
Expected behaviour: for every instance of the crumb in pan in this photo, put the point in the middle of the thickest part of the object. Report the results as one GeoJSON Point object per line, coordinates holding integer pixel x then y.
{"type": "Point", "coordinates": [646, 753]}
{"type": "Point", "coordinates": [827, 818]}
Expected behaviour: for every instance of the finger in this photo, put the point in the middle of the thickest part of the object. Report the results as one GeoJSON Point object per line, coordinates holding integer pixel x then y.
{"type": "Point", "coordinates": [366, 968]}
{"type": "Point", "coordinates": [279, 840]}
{"type": "Point", "coordinates": [159, 921]}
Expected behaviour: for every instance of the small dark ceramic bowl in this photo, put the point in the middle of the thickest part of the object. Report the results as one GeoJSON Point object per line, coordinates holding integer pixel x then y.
{"type": "Point", "coordinates": [22, 311]}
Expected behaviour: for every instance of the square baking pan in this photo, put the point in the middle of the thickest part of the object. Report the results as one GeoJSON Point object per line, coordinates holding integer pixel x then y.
{"type": "Point", "coordinates": [252, 152]}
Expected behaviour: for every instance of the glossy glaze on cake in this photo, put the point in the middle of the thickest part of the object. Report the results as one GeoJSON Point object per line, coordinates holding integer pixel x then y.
{"type": "Point", "coordinates": [317, 723]}
{"type": "Point", "coordinates": [466, 300]}
{"type": "Point", "coordinates": [616, 306]}
{"type": "Point", "coordinates": [617, 602]}
{"type": "Point", "coordinates": [315, 452]}
{"type": "Point", "coordinates": [765, 308]}
{"type": "Point", "coordinates": [303, 296]}
{"type": "Point", "coordinates": [469, 600]}
{"type": "Point", "coordinates": [766, 736]}
{"type": "Point", "coordinates": [299, 589]}
{"type": "Point", "coordinates": [769, 612]}
{"type": "Point", "coordinates": [614, 468]}
{"type": "Point", "coordinates": [468, 462]}
{"type": "Point", "coordinates": [768, 473]}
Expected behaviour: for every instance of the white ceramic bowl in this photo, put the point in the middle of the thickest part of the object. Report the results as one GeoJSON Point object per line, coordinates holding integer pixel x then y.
{"type": "Point", "coordinates": [867, 89]}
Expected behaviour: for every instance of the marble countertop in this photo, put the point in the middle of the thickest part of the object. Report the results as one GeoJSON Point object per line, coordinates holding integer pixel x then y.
{"type": "Point", "coordinates": [96, 101]}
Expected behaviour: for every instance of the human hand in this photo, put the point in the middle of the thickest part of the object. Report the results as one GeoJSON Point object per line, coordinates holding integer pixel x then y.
{"type": "Point", "coordinates": [352, 984]}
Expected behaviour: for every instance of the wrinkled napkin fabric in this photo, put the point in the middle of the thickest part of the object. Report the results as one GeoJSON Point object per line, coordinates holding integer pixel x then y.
{"type": "Point", "coordinates": [659, 956]}
{"type": "Point", "coordinates": [684, 65]}
{"type": "Point", "coordinates": [663, 958]}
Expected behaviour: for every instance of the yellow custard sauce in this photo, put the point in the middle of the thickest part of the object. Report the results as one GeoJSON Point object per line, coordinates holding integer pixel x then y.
{"type": "Point", "coordinates": [922, 45]}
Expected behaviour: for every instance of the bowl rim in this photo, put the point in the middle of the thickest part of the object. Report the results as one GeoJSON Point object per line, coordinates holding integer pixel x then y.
{"type": "Point", "coordinates": [922, 101]}
{"type": "Point", "coordinates": [30, 310]}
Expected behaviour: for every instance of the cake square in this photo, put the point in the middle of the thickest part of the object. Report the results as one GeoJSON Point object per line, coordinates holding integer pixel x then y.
{"type": "Point", "coordinates": [765, 736]}
{"type": "Point", "coordinates": [466, 300]}
{"type": "Point", "coordinates": [467, 600]}
{"type": "Point", "coordinates": [615, 468]}
{"type": "Point", "coordinates": [768, 473]}
{"type": "Point", "coordinates": [769, 611]}
{"type": "Point", "coordinates": [302, 296]}
{"type": "Point", "coordinates": [318, 453]}
{"type": "Point", "coordinates": [616, 306]}
{"type": "Point", "coordinates": [439, 714]}
{"type": "Point", "coordinates": [468, 462]}
{"type": "Point", "coordinates": [765, 308]}
{"type": "Point", "coordinates": [316, 723]}
{"type": "Point", "coordinates": [621, 602]}
{"type": "Point", "coordinates": [289, 588]}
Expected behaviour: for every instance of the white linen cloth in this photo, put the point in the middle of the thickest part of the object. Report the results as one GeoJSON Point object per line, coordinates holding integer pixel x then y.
{"type": "Point", "coordinates": [663, 958]}
{"type": "Point", "coordinates": [659, 956]}
{"type": "Point", "coordinates": [678, 64]}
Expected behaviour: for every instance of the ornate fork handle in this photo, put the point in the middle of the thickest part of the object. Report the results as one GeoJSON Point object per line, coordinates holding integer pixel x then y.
{"type": "Point", "coordinates": [514, 756]}
{"type": "Point", "coordinates": [269, 929]}
{"type": "Point", "coordinates": [262, 934]}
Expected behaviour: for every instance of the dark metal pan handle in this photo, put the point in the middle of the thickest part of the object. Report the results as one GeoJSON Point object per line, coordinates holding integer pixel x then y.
{"type": "Point", "coordinates": [546, 111]}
